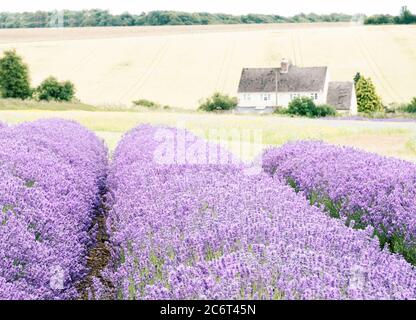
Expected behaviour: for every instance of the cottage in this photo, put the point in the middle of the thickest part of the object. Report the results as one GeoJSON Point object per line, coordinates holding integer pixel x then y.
{"type": "Point", "coordinates": [264, 89]}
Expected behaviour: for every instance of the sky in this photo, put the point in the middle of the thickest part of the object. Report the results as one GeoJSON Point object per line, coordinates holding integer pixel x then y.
{"type": "Point", "coordinates": [281, 7]}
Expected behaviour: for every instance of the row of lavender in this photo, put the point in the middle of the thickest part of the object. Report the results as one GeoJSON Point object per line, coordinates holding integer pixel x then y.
{"type": "Point", "coordinates": [51, 174]}
{"type": "Point", "coordinates": [360, 187]}
{"type": "Point", "coordinates": [210, 231]}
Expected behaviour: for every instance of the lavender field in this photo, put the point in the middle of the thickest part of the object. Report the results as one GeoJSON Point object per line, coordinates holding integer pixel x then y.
{"type": "Point", "coordinates": [160, 219]}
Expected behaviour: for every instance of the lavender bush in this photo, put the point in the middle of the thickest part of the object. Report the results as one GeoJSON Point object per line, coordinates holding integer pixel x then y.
{"type": "Point", "coordinates": [365, 188]}
{"type": "Point", "coordinates": [208, 231]}
{"type": "Point", "coordinates": [51, 175]}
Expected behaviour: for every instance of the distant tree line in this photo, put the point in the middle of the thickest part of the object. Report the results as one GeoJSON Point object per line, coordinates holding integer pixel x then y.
{"type": "Point", "coordinates": [405, 17]}
{"type": "Point", "coordinates": [100, 18]}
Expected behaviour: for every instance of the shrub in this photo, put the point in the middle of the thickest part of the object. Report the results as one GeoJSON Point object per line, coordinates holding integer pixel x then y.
{"type": "Point", "coordinates": [302, 107]}
{"type": "Point", "coordinates": [305, 106]}
{"type": "Point", "coordinates": [393, 108]}
{"type": "Point", "coordinates": [218, 101]}
{"type": "Point", "coordinates": [325, 110]}
{"type": "Point", "coordinates": [411, 107]}
{"type": "Point", "coordinates": [52, 89]}
{"type": "Point", "coordinates": [147, 104]}
{"type": "Point", "coordinates": [367, 98]}
{"type": "Point", "coordinates": [14, 77]}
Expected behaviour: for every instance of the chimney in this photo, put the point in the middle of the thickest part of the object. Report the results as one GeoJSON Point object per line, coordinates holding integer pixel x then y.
{"type": "Point", "coordinates": [284, 66]}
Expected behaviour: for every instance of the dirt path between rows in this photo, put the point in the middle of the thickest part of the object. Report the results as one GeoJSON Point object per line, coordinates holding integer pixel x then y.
{"type": "Point", "coordinates": [98, 257]}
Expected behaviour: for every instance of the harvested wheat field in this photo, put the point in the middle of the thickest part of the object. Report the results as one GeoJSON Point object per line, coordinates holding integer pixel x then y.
{"type": "Point", "coordinates": [178, 66]}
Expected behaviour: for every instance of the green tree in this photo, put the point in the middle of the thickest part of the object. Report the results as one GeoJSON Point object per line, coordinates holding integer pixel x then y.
{"type": "Point", "coordinates": [14, 76]}
{"type": "Point", "coordinates": [357, 77]}
{"type": "Point", "coordinates": [367, 98]}
{"type": "Point", "coordinates": [52, 89]}
{"type": "Point", "coordinates": [411, 107]}
{"type": "Point", "coordinates": [406, 17]}
{"type": "Point", "coordinates": [380, 19]}
{"type": "Point", "coordinates": [218, 101]}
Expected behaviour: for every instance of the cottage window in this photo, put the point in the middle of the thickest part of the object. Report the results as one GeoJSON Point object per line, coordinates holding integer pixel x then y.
{"type": "Point", "coordinates": [314, 96]}
{"type": "Point", "coordinates": [294, 96]}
